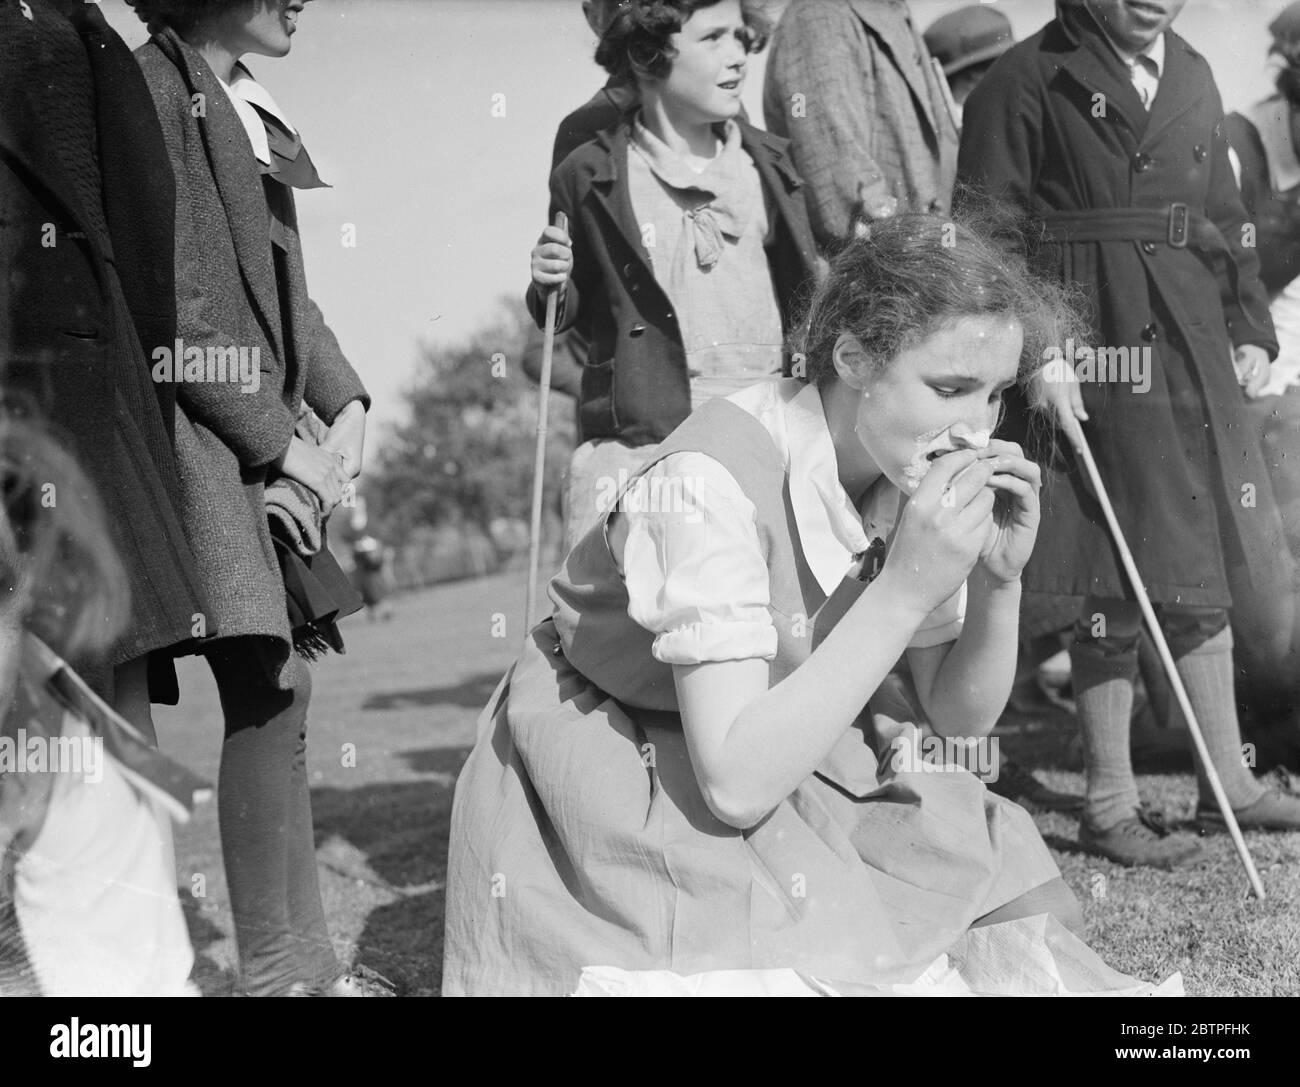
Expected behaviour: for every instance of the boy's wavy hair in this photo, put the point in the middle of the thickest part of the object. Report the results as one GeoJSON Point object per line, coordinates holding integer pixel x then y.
{"type": "Point", "coordinates": [179, 15]}
{"type": "Point", "coordinates": [60, 576]}
{"type": "Point", "coordinates": [912, 274]}
{"type": "Point", "coordinates": [636, 43]}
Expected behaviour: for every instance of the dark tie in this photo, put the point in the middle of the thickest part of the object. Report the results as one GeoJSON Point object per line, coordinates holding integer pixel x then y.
{"type": "Point", "coordinates": [290, 163]}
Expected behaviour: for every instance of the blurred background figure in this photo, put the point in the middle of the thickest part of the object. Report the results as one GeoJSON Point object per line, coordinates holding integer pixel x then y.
{"type": "Point", "coordinates": [852, 85]}
{"type": "Point", "coordinates": [1265, 159]}
{"type": "Point", "coordinates": [966, 42]}
{"type": "Point", "coordinates": [88, 902]}
{"type": "Point", "coordinates": [371, 560]}
{"type": "Point", "coordinates": [370, 565]}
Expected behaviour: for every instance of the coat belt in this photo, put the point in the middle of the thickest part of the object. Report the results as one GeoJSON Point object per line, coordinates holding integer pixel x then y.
{"type": "Point", "coordinates": [1177, 225]}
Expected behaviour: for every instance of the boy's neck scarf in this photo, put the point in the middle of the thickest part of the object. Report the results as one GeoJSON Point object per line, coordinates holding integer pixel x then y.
{"type": "Point", "coordinates": [721, 204]}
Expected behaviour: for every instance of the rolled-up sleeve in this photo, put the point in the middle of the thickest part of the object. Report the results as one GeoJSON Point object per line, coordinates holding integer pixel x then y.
{"type": "Point", "coordinates": [693, 564]}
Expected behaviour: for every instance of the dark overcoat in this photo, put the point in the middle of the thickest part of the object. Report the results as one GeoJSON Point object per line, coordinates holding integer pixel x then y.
{"type": "Point", "coordinates": [86, 207]}
{"type": "Point", "coordinates": [1058, 127]}
{"type": "Point", "coordinates": [635, 386]}
{"type": "Point", "coordinates": [233, 292]}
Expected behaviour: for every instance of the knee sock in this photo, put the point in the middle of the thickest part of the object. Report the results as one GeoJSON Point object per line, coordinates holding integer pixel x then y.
{"type": "Point", "coordinates": [1206, 672]}
{"type": "Point", "coordinates": [1103, 691]}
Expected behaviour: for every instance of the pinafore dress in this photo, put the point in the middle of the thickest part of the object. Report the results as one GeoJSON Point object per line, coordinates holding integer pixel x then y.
{"type": "Point", "coordinates": [580, 837]}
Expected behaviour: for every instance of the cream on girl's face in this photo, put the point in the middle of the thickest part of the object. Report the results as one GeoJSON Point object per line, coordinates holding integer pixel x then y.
{"type": "Point", "coordinates": [942, 394]}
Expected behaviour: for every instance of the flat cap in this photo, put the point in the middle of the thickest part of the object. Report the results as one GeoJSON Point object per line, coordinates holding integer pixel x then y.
{"type": "Point", "coordinates": [973, 35]}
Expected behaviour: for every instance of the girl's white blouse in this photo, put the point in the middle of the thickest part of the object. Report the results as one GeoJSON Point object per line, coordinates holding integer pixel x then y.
{"type": "Point", "coordinates": [245, 93]}
{"type": "Point", "coordinates": [693, 564]}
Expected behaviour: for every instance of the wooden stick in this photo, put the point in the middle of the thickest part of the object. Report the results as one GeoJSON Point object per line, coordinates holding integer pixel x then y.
{"type": "Point", "coordinates": [1075, 433]}
{"type": "Point", "coordinates": [539, 455]}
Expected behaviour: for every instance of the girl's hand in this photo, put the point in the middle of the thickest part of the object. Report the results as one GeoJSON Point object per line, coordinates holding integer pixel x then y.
{"type": "Point", "coordinates": [944, 528]}
{"type": "Point", "coordinates": [1010, 539]}
{"type": "Point", "coordinates": [1252, 366]}
{"type": "Point", "coordinates": [346, 438]}
{"type": "Point", "coordinates": [1056, 387]}
{"type": "Point", "coordinates": [315, 467]}
{"type": "Point", "coordinates": [552, 258]}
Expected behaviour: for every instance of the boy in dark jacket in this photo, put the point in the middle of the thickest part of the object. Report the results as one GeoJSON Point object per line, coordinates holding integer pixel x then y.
{"type": "Point", "coordinates": [1107, 128]}
{"type": "Point", "coordinates": [688, 240]}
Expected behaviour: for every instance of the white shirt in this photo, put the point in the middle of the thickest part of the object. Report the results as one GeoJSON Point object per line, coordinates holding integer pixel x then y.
{"type": "Point", "coordinates": [1145, 69]}
{"type": "Point", "coordinates": [693, 564]}
{"type": "Point", "coordinates": [95, 894]}
{"type": "Point", "coordinates": [244, 93]}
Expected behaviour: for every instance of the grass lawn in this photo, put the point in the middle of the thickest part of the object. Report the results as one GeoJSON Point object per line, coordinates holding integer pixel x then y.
{"type": "Point", "coordinates": [393, 720]}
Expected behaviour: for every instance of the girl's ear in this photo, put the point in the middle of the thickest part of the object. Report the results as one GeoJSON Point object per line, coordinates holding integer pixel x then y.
{"type": "Point", "coordinates": [852, 363]}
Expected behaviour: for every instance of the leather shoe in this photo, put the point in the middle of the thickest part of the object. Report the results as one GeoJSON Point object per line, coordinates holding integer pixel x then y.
{"type": "Point", "coordinates": [1277, 809]}
{"type": "Point", "coordinates": [1143, 839]}
{"type": "Point", "coordinates": [1017, 783]}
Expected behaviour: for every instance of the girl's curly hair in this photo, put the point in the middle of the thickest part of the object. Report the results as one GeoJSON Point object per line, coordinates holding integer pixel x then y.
{"type": "Point", "coordinates": [59, 570]}
{"type": "Point", "coordinates": [179, 15]}
{"type": "Point", "coordinates": [637, 40]}
{"type": "Point", "coordinates": [914, 273]}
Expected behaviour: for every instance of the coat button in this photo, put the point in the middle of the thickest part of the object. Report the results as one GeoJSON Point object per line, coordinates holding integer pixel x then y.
{"type": "Point", "coordinates": [1200, 152]}
{"type": "Point", "coordinates": [1141, 162]}
{"type": "Point", "coordinates": [629, 269]}
{"type": "Point", "coordinates": [1149, 248]}
{"type": "Point", "coordinates": [636, 330]}
{"type": "Point", "coordinates": [1150, 333]}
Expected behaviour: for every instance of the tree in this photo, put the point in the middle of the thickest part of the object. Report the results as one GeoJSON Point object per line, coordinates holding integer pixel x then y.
{"type": "Point", "coordinates": [465, 454]}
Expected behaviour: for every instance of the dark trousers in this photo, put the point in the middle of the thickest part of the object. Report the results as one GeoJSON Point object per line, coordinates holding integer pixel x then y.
{"type": "Point", "coordinates": [267, 840]}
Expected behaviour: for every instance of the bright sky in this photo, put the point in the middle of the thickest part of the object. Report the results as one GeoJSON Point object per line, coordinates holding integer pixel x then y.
{"type": "Point", "coordinates": [395, 99]}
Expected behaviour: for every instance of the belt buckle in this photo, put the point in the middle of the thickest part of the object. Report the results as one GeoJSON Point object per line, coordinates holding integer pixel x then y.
{"type": "Point", "coordinates": [1179, 221]}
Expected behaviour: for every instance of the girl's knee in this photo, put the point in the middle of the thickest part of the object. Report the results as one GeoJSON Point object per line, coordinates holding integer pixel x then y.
{"type": "Point", "coordinates": [1109, 626]}
{"type": "Point", "coordinates": [1187, 629]}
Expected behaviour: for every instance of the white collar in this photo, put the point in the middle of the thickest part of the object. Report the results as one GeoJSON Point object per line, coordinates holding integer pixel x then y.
{"type": "Point", "coordinates": [244, 93]}
{"type": "Point", "coordinates": [1155, 52]}
{"type": "Point", "coordinates": [830, 531]}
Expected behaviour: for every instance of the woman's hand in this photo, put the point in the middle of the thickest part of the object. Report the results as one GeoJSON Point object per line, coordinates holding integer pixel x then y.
{"type": "Point", "coordinates": [1016, 514]}
{"type": "Point", "coordinates": [552, 259]}
{"type": "Point", "coordinates": [346, 438]}
{"type": "Point", "coordinates": [1252, 366]}
{"type": "Point", "coordinates": [315, 467]}
{"type": "Point", "coordinates": [944, 528]}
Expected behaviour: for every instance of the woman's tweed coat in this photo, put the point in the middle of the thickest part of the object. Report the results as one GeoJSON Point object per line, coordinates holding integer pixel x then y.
{"type": "Point", "coordinates": [228, 296]}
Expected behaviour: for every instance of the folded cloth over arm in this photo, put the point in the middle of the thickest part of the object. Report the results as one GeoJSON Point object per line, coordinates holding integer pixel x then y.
{"type": "Point", "coordinates": [317, 591]}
